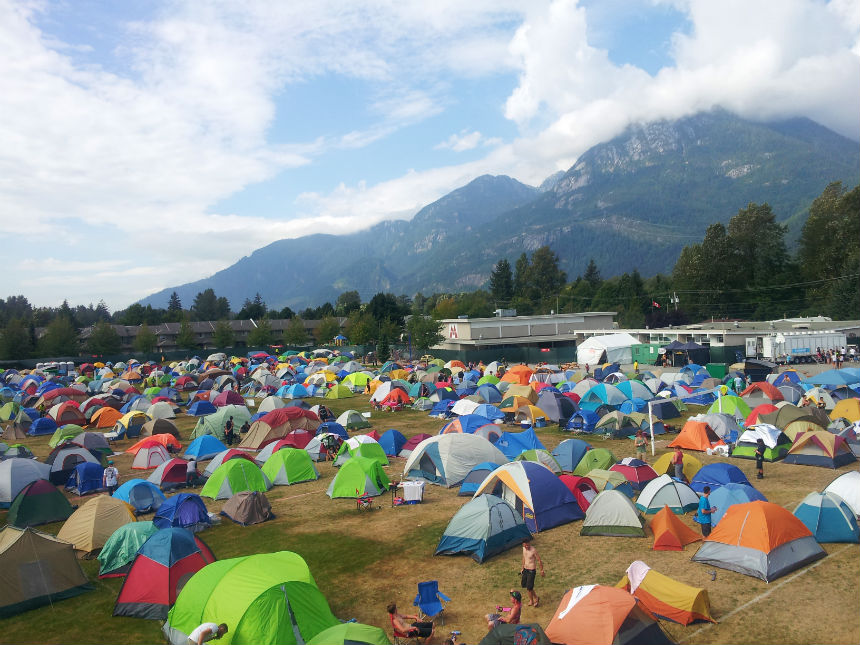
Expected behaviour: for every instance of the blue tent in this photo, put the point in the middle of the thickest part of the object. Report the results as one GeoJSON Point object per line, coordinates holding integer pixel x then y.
{"type": "Point", "coordinates": [828, 517]}
{"type": "Point", "coordinates": [475, 477]}
{"type": "Point", "coordinates": [489, 393]}
{"type": "Point", "coordinates": [601, 394]}
{"type": "Point", "coordinates": [514, 443]}
{"type": "Point", "coordinates": [570, 452]}
{"type": "Point", "coordinates": [185, 509]}
{"type": "Point", "coordinates": [442, 408]}
{"type": "Point", "coordinates": [334, 428]}
{"type": "Point", "coordinates": [392, 442]}
{"type": "Point", "coordinates": [44, 425]}
{"type": "Point", "coordinates": [665, 410]}
{"type": "Point", "coordinates": [716, 475]}
{"type": "Point", "coordinates": [482, 528]}
{"type": "Point", "coordinates": [144, 496]}
{"type": "Point", "coordinates": [601, 373]}
{"type": "Point", "coordinates": [730, 494]}
{"type": "Point", "coordinates": [490, 411]}
{"type": "Point", "coordinates": [633, 405]}
{"type": "Point", "coordinates": [468, 422]}
{"type": "Point", "coordinates": [583, 421]}
{"type": "Point", "coordinates": [204, 447]}
{"type": "Point", "coordinates": [296, 391]}
{"type": "Point", "coordinates": [85, 478]}
{"type": "Point", "coordinates": [128, 405]}
{"type": "Point", "coordinates": [201, 408]}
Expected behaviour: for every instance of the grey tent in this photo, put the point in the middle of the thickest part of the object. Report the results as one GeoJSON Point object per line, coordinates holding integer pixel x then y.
{"type": "Point", "coordinates": [612, 513]}
{"type": "Point", "coordinates": [248, 507]}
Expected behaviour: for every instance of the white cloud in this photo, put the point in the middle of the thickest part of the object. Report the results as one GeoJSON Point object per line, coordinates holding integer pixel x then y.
{"type": "Point", "coordinates": [465, 140]}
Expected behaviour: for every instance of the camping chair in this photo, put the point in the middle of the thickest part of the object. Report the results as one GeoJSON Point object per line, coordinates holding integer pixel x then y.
{"type": "Point", "coordinates": [363, 502]}
{"type": "Point", "coordinates": [402, 638]}
{"type": "Point", "coordinates": [429, 601]}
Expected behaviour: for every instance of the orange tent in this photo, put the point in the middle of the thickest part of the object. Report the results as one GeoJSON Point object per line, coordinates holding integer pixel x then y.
{"type": "Point", "coordinates": [847, 408]}
{"type": "Point", "coordinates": [594, 615]}
{"type": "Point", "coordinates": [666, 598]}
{"type": "Point", "coordinates": [763, 390]}
{"type": "Point", "coordinates": [514, 403]}
{"type": "Point", "coordinates": [158, 439]}
{"type": "Point", "coordinates": [759, 539]}
{"type": "Point", "coordinates": [105, 417]}
{"type": "Point", "coordinates": [396, 397]}
{"type": "Point", "coordinates": [696, 435]}
{"type": "Point", "coordinates": [755, 414]}
{"type": "Point", "coordinates": [670, 533]}
{"type": "Point", "coordinates": [518, 374]}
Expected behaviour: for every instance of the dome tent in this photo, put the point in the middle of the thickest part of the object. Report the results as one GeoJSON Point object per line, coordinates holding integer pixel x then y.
{"type": "Point", "coordinates": [670, 533]}
{"type": "Point", "coordinates": [234, 476]}
{"type": "Point", "coordinates": [664, 597]}
{"type": "Point", "coordinates": [446, 459]}
{"type": "Point", "coordinates": [289, 466]}
{"type": "Point", "coordinates": [716, 475]}
{"type": "Point", "coordinates": [359, 476]}
{"type": "Point", "coordinates": [665, 491]}
{"type": "Point", "coordinates": [39, 502]}
{"type": "Point", "coordinates": [184, 509]}
{"type": "Point", "coordinates": [265, 598]}
{"type": "Point", "coordinates": [847, 486]}
{"type": "Point", "coordinates": [89, 527]}
{"type": "Point", "coordinates": [118, 553]}
{"type": "Point", "coordinates": [828, 517]}
{"type": "Point", "coordinates": [483, 527]}
{"type": "Point", "coordinates": [613, 514]}
{"type": "Point", "coordinates": [248, 507]}
{"type": "Point", "coordinates": [474, 478]}
{"type": "Point", "coordinates": [570, 452]}
{"type": "Point", "coordinates": [144, 496]}
{"type": "Point", "coordinates": [728, 495]}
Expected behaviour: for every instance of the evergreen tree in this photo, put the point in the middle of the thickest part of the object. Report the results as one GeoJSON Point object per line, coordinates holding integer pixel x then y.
{"type": "Point", "coordinates": [347, 302]}
{"type": "Point", "coordinates": [328, 328]}
{"type": "Point", "coordinates": [223, 336]}
{"type": "Point", "coordinates": [295, 333]}
{"type": "Point", "coordinates": [544, 277]}
{"type": "Point", "coordinates": [174, 304]}
{"type": "Point", "coordinates": [185, 339]}
{"type": "Point", "coordinates": [502, 283]}
{"type": "Point", "coordinates": [383, 350]}
{"type": "Point", "coordinates": [253, 309]}
{"type": "Point", "coordinates": [15, 342]}
{"type": "Point", "coordinates": [104, 340]}
{"type": "Point", "coordinates": [592, 275]}
{"type": "Point", "coordinates": [521, 277]}
{"type": "Point", "coordinates": [424, 332]}
{"type": "Point", "coordinates": [360, 327]}
{"type": "Point", "coordinates": [146, 340]}
{"type": "Point", "coordinates": [60, 339]}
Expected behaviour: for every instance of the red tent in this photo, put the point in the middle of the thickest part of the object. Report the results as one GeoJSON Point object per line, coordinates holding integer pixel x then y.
{"type": "Point", "coordinates": [583, 489]}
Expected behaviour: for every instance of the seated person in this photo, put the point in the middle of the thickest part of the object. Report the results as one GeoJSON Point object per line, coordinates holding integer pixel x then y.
{"type": "Point", "coordinates": [513, 615]}
{"type": "Point", "coordinates": [412, 630]}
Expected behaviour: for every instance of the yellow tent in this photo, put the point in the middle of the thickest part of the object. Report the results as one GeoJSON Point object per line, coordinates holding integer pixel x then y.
{"type": "Point", "coordinates": [848, 409]}
{"type": "Point", "coordinates": [663, 466]}
{"type": "Point", "coordinates": [667, 598]}
{"type": "Point", "coordinates": [89, 527]}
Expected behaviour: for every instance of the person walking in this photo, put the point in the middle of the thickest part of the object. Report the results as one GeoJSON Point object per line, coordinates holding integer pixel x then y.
{"type": "Point", "coordinates": [759, 459]}
{"type": "Point", "coordinates": [191, 472]}
{"type": "Point", "coordinates": [531, 561]}
{"type": "Point", "coordinates": [110, 478]}
{"type": "Point", "coordinates": [228, 431]}
{"type": "Point", "coordinates": [678, 463]}
{"type": "Point", "coordinates": [641, 444]}
{"type": "Point", "coordinates": [703, 516]}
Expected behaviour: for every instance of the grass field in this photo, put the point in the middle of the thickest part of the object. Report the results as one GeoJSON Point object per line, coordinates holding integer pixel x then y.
{"type": "Point", "coordinates": [363, 560]}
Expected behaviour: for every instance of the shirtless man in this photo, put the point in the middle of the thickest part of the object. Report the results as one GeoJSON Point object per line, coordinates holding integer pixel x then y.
{"type": "Point", "coordinates": [512, 617]}
{"type": "Point", "coordinates": [415, 629]}
{"type": "Point", "coordinates": [531, 560]}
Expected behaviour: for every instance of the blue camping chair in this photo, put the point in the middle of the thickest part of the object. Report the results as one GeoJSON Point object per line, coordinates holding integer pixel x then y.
{"type": "Point", "coordinates": [429, 601]}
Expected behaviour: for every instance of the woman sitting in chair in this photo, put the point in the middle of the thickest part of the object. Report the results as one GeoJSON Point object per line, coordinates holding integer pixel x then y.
{"type": "Point", "coordinates": [407, 630]}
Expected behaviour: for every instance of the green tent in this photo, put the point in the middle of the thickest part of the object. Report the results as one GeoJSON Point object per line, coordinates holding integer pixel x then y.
{"type": "Point", "coordinates": [289, 466]}
{"type": "Point", "coordinates": [542, 457]}
{"type": "Point", "coordinates": [353, 420]}
{"type": "Point", "coordinates": [356, 380]}
{"type": "Point", "coordinates": [595, 458]}
{"type": "Point", "coordinates": [121, 548]}
{"type": "Point", "coordinates": [64, 433]}
{"type": "Point", "coordinates": [353, 447]}
{"type": "Point", "coordinates": [733, 405]}
{"type": "Point", "coordinates": [214, 423]}
{"type": "Point", "coordinates": [9, 411]}
{"type": "Point", "coordinates": [351, 634]}
{"type": "Point", "coordinates": [359, 476]}
{"type": "Point", "coordinates": [488, 378]}
{"type": "Point", "coordinates": [267, 598]}
{"type": "Point", "coordinates": [39, 502]}
{"type": "Point", "coordinates": [339, 391]}
{"type": "Point", "coordinates": [235, 476]}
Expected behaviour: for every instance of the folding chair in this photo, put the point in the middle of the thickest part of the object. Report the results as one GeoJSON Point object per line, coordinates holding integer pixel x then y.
{"type": "Point", "coordinates": [363, 502]}
{"type": "Point", "coordinates": [402, 638]}
{"type": "Point", "coordinates": [429, 601]}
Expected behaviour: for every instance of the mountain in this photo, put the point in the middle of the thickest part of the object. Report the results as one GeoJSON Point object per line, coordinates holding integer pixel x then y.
{"type": "Point", "coordinates": [632, 202]}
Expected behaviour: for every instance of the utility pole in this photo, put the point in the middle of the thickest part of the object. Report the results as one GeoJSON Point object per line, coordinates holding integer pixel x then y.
{"type": "Point", "coordinates": [674, 300]}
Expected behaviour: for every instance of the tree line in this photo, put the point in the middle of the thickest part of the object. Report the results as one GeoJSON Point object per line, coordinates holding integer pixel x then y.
{"type": "Point", "coordinates": [742, 270]}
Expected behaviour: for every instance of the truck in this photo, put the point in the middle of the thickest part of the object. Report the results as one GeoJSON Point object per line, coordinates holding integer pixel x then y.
{"type": "Point", "coordinates": [799, 346]}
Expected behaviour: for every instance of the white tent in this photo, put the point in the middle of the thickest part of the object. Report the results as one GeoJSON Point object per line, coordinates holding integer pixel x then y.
{"type": "Point", "coordinates": [847, 486]}
{"type": "Point", "coordinates": [611, 348]}
{"type": "Point", "coordinates": [446, 459]}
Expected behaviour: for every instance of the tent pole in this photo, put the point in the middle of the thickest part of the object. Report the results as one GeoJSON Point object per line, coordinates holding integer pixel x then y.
{"type": "Point", "coordinates": [651, 427]}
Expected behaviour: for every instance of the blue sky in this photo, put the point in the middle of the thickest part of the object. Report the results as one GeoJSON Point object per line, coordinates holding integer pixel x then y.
{"type": "Point", "coordinates": [146, 144]}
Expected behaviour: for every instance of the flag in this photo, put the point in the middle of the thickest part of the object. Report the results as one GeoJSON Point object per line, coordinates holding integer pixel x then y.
{"type": "Point", "coordinates": [655, 304]}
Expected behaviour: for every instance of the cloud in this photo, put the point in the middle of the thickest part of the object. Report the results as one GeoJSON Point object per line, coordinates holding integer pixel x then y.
{"type": "Point", "coordinates": [465, 140]}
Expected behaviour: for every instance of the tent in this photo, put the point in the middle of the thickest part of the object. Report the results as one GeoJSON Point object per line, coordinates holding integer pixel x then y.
{"type": "Point", "coordinates": [474, 478]}
{"type": "Point", "coordinates": [16, 473]}
{"type": "Point", "coordinates": [392, 441]}
{"type": "Point", "coordinates": [39, 502]}
{"type": "Point", "coordinates": [570, 452]}
{"type": "Point", "coordinates": [184, 509]}
{"type": "Point", "coordinates": [360, 445]}
{"type": "Point", "coordinates": [264, 598]}
{"type": "Point", "coordinates": [583, 421]}
{"type": "Point", "coordinates": [504, 634]}
{"type": "Point", "coordinates": [411, 443]}
{"type": "Point", "coordinates": [248, 507]}
{"type": "Point", "coordinates": [227, 455]}
{"type": "Point", "coordinates": [733, 405]}
{"type": "Point", "coordinates": [351, 634]}
{"type": "Point", "coordinates": [213, 424]}
{"type": "Point", "coordinates": [42, 426]}
{"type": "Point", "coordinates": [204, 447]}
{"type": "Point", "coordinates": [359, 476]}
{"type": "Point", "coordinates": [234, 476]}
{"type": "Point", "coordinates": [118, 553]}
{"type": "Point", "coordinates": [535, 492]}
{"type": "Point", "coordinates": [610, 480]}
{"type": "Point", "coordinates": [446, 459]}
{"type": "Point", "coordinates": [277, 424]}
{"type": "Point", "coordinates": [611, 348]}
{"type": "Point", "coordinates": [759, 539]}
{"type": "Point", "coordinates": [820, 448]}
{"type": "Point", "coordinates": [465, 423]}
{"type": "Point", "coordinates": [92, 524]}
{"type": "Point", "coordinates": [776, 443]}
{"type": "Point", "coordinates": [665, 491]}
{"type": "Point", "coordinates": [847, 486]}
{"type": "Point", "coordinates": [290, 466]}
{"type": "Point", "coordinates": [513, 443]}
{"type": "Point", "coordinates": [696, 435]}
{"type": "Point", "coordinates": [635, 471]}
{"type": "Point", "coordinates": [663, 465]}
{"type": "Point", "coordinates": [761, 392]}
{"type": "Point", "coordinates": [142, 495]}
{"type": "Point", "coordinates": [828, 517]}
{"type": "Point", "coordinates": [170, 474]}
{"type": "Point", "coordinates": [159, 570]}
{"type": "Point", "coordinates": [37, 569]}
{"type": "Point", "coordinates": [616, 425]}
{"type": "Point", "coordinates": [583, 489]}
{"type": "Point", "coordinates": [664, 597]}
{"type": "Point", "coordinates": [670, 533]}
{"type": "Point", "coordinates": [613, 514]}
{"type": "Point", "coordinates": [602, 394]}
{"type": "Point", "coordinates": [201, 408]}
{"type": "Point", "coordinates": [598, 615]}
{"type": "Point", "coordinates": [716, 475]}
{"type": "Point", "coordinates": [64, 433]}
{"type": "Point", "coordinates": [596, 458]}
{"type": "Point", "coordinates": [728, 495]}
{"type": "Point", "coordinates": [86, 478]}
{"type": "Point", "coordinates": [483, 527]}
{"type": "Point", "coordinates": [542, 457]}
{"type": "Point", "coordinates": [63, 460]}
{"type": "Point", "coordinates": [353, 420]}
{"type": "Point", "coordinates": [150, 456]}
{"type": "Point", "coordinates": [848, 409]}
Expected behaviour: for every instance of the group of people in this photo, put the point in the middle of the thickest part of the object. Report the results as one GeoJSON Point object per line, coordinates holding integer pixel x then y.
{"type": "Point", "coordinates": [531, 563]}
{"type": "Point", "coordinates": [836, 356]}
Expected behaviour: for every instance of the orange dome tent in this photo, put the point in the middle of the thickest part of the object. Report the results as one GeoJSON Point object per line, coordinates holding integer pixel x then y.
{"type": "Point", "coordinates": [670, 533]}
{"type": "Point", "coordinates": [696, 435]}
{"type": "Point", "coordinates": [519, 375]}
{"type": "Point", "coordinates": [105, 417]}
{"type": "Point", "coordinates": [759, 539]}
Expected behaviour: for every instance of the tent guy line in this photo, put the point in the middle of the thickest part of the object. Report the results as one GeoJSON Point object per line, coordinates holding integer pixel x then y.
{"type": "Point", "coordinates": [764, 594]}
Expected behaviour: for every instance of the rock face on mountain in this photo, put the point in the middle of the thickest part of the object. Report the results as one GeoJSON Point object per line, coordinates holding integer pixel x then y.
{"type": "Point", "coordinates": [632, 202]}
